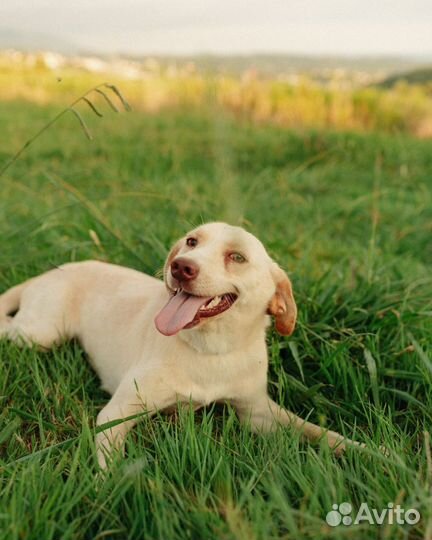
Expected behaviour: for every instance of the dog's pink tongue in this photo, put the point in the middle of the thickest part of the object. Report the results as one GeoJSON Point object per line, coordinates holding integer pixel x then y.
{"type": "Point", "coordinates": [178, 312]}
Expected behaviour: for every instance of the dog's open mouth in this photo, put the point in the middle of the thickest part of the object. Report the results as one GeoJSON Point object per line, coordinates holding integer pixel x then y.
{"type": "Point", "coordinates": [185, 310]}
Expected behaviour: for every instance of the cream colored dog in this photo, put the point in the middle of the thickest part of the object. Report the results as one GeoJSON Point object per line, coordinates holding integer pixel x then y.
{"type": "Point", "coordinates": [197, 337]}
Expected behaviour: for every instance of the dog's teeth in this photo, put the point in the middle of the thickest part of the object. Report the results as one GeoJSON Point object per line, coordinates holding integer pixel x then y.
{"type": "Point", "coordinates": [214, 302]}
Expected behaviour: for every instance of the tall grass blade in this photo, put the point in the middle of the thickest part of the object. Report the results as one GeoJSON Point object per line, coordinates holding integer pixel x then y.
{"type": "Point", "coordinates": [120, 96]}
{"type": "Point", "coordinates": [422, 355]}
{"type": "Point", "coordinates": [83, 97]}
{"type": "Point", "coordinates": [92, 107]}
{"type": "Point", "coordinates": [83, 124]}
{"type": "Point", "coordinates": [372, 368]}
{"type": "Point", "coordinates": [107, 99]}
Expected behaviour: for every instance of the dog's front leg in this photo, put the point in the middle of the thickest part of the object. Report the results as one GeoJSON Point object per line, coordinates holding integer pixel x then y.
{"type": "Point", "coordinates": [144, 394]}
{"type": "Point", "coordinates": [265, 415]}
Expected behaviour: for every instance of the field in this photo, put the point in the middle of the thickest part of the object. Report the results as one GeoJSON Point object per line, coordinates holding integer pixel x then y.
{"type": "Point", "coordinates": [334, 99]}
{"type": "Point", "coordinates": [347, 214]}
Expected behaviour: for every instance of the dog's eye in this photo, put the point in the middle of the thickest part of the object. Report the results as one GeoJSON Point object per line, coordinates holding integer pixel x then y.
{"type": "Point", "coordinates": [237, 257]}
{"type": "Point", "coordinates": [191, 242]}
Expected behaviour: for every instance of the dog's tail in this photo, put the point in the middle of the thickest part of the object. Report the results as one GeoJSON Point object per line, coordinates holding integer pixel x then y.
{"type": "Point", "coordinates": [10, 300]}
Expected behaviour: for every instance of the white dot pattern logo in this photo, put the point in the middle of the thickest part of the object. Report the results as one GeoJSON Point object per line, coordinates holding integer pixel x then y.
{"type": "Point", "coordinates": [345, 508]}
{"type": "Point", "coordinates": [339, 514]}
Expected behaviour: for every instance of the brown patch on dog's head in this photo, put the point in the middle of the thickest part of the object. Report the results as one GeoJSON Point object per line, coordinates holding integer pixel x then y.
{"type": "Point", "coordinates": [282, 304]}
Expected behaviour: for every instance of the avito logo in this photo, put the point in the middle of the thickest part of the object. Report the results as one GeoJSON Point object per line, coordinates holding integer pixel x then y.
{"type": "Point", "coordinates": [342, 514]}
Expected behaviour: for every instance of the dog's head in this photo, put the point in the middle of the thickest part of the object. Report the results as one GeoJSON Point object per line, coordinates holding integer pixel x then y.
{"type": "Point", "coordinates": [222, 273]}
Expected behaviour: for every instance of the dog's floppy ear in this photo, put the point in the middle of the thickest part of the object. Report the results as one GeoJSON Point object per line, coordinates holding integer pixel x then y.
{"type": "Point", "coordinates": [282, 304]}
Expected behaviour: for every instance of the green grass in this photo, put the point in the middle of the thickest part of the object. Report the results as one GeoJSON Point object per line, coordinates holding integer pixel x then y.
{"type": "Point", "coordinates": [349, 216]}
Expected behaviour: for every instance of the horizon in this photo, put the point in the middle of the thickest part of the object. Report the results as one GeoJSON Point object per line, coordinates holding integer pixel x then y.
{"type": "Point", "coordinates": [196, 28]}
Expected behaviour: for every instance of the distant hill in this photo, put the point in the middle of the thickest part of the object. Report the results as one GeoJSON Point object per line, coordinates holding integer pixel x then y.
{"type": "Point", "coordinates": [416, 76]}
{"type": "Point", "coordinates": [276, 64]}
{"type": "Point", "coordinates": [31, 41]}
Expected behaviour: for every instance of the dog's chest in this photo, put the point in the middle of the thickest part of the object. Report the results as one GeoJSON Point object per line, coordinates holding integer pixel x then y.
{"type": "Point", "coordinates": [219, 378]}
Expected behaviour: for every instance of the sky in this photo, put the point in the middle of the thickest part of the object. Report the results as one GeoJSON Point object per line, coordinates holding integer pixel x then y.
{"type": "Point", "coordinates": [340, 27]}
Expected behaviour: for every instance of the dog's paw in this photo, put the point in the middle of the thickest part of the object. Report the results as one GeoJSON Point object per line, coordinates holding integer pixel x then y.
{"type": "Point", "coordinates": [339, 445]}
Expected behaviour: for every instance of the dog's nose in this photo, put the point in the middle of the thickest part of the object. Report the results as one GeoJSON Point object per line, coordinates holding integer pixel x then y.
{"type": "Point", "coordinates": [183, 269]}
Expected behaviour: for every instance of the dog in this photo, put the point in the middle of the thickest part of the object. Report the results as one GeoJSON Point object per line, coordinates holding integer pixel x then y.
{"type": "Point", "coordinates": [198, 336]}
